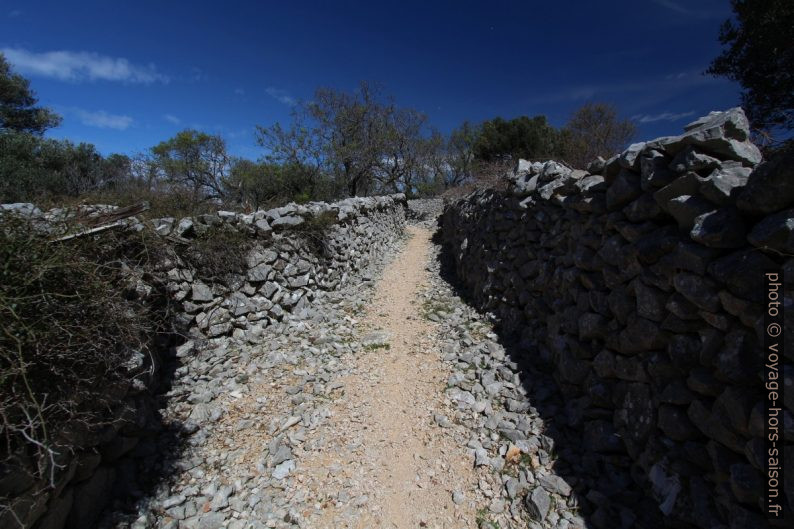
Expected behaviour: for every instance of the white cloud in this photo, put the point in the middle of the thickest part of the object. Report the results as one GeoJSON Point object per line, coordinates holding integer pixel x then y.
{"type": "Point", "coordinates": [172, 119]}
{"type": "Point", "coordinates": [102, 119]}
{"type": "Point", "coordinates": [669, 84]}
{"type": "Point", "coordinates": [664, 116]}
{"type": "Point", "coordinates": [672, 6]}
{"type": "Point", "coordinates": [239, 91]}
{"type": "Point", "coordinates": [237, 134]}
{"type": "Point", "coordinates": [197, 75]}
{"type": "Point", "coordinates": [81, 66]}
{"type": "Point", "coordinates": [282, 96]}
{"type": "Point", "coordinates": [715, 11]}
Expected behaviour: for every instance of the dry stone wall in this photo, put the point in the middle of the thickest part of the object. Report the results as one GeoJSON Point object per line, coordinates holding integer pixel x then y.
{"type": "Point", "coordinates": [641, 283]}
{"type": "Point", "coordinates": [292, 256]}
{"type": "Point", "coordinates": [425, 211]}
{"type": "Point", "coordinates": [298, 252]}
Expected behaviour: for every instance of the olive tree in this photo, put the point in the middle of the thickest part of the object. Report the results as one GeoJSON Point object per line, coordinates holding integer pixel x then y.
{"type": "Point", "coordinates": [595, 129]}
{"type": "Point", "coordinates": [194, 159]}
{"type": "Point", "coordinates": [360, 141]}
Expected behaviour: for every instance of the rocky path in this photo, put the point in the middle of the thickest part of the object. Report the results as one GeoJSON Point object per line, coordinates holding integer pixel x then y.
{"type": "Point", "coordinates": [389, 404]}
{"type": "Point", "coordinates": [381, 435]}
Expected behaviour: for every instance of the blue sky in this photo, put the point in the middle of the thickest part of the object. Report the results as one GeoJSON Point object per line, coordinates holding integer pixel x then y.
{"type": "Point", "coordinates": [126, 75]}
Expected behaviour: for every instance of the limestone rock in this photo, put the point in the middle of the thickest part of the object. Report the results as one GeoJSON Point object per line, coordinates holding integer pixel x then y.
{"type": "Point", "coordinates": [725, 183]}
{"type": "Point", "coordinates": [602, 437]}
{"type": "Point", "coordinates": [630, 158]}
{"type": "Point", "coordinates": [675, 424]}
{"type": "Point", "coordinates": [596, 166]}
{"type": "Point", "coordinates": [686, 208]}
{"type": "Point", "coordinates": [23, 209]}
{"type": "Point", "coordinates": [90, 498]}
{"type": "Point", "coordinates": [770, 187]}
{"type": "Point", "coordinates": [555, 484]}
{"type": "Point", "coordinates": [163, 226]}
{"type": "Point", "coordinates": [185, 228]}
{"type": "Point", "coordinates": [654, 170]}
{"type": "Point", "coordinates": [287, 221]}
{"type": "Point", "coordinates": [775, 232]}
{"type": "Point", "coordinates": [624, 189]}
{"type": "Point", "coordinates": [201, 292]}
{"type": "Point", "coordinates": [722, 228]}
{"type": "Point", "coordinates": [690, 160]}
{"type": "Point", "coordinates": [538, 504]}
{"type": "Point", "coordinates": [698, 290]}
{"type": "Point", "coordinates": [724, 134]}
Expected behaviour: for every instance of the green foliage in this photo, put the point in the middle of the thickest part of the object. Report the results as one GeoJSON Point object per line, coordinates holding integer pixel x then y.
{"type": "Point", "coordinates": [484, 521]}
{"type": "Point", "coordinates": [595, 130]}
{"type": "Point", "coordinates": [117, 168]}
{"type": "Point", "coordinates": [265, 184]}
{"type": "Point", "coordinates": [17, 104]}
{"type": "Point", "coordinates": [360, 142]}
{"type": "Point", "coordinates": [194, 159]}
{"type": "Point", "coordinates": [407, 161]}
{"type": "Point", "coordinates": [28, 167]}
{"type": "Point", "coordinates": [318, 223]}
{"type": "Point", "coordinates": [476, 156]}
{"type": "Point", "coordinates": [353, 126]}
{"type": "Point", "coordinates": [760, 56]}
{"type": "Point", "coordinates": [339, 144]}
{"type": "Point", "coordinates": [521, 137]}
{"type": "Point", "coordinates": [297, 146]}
{"type": "Point", "coordinates": [429, 188]}
{"type": "Point", "coordinates": [460, 154]}
{"type": "Point", "coordinates": [33, 168]}
{"type": "Point", "coordinates": [484, 175]}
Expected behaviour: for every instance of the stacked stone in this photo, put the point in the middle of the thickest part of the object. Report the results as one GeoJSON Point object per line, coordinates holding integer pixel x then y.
{"type": "Point", "coordinates": [283, 273]}
{"type": "Point", "coordinates": [425, 211]}
{"type": "Point", "coordinates": [641, 281]}
{"type": "Point", "coordinates": [282, 276]}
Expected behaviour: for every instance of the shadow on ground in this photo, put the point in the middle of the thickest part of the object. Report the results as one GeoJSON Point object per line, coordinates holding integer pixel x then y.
{"type": "Point", "coordinates": [603, 485]}
{"type": "Point", "coordinates": [160, 449]}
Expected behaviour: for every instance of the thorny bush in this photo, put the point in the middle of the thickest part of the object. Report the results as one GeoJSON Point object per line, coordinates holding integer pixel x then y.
{"type": "Point", "coordinates": [217, 253]}
{"type": "Point", "coordinates": [69, 325]}
{"type": "Point", "coordinates": [314, 231]}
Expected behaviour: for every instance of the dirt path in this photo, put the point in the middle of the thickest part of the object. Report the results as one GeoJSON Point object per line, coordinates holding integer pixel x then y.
{"type": "Point", "coordinates": [364, 414]}
{"type": "Point", "coordinates": [382, 460]}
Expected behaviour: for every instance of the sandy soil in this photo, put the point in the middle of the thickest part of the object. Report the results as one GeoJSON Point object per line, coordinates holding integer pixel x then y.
{"type": "Point", "coordinates": [383, 461]}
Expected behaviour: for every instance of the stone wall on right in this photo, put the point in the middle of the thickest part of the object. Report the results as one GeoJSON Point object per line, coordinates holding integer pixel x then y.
{"type": "Point", "coordinates": [641, 283]}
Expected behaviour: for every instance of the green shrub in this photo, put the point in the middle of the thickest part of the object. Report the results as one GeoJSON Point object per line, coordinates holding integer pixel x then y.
{"type": "Point", "coordinates": [33, 168]}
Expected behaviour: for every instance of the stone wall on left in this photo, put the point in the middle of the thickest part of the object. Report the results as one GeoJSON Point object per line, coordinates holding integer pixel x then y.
{"type": "Point", "coordinates": [288, 257]}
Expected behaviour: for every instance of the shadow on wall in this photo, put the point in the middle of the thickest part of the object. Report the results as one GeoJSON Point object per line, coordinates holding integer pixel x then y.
{"type": "Point", "coordinates": [285, 257]}
{"type": "Point", "coordinates": [601, 482]}
{"type": "Point", "coordinates": [640, 284]}
{"type": "Point", "coordinates": [149, 465]}
{"type": "Point", "coordinates": [221, 279]}
{"type": "Point", "coordinates": [118, 465]}
{"type": "Point", "coordinates": [90, 337]}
